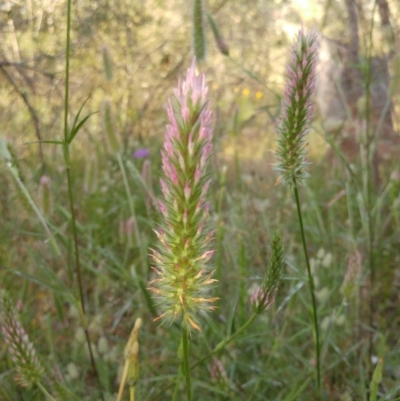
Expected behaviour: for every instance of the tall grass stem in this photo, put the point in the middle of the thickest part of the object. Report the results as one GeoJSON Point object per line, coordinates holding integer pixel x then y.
{"type": "Point", "coordinates": [45, 392]}
{"type": "Point", "coordinates": [71, 198]}
{"type": "Point", "coordinates": [218, 348]}
{"type": "Point", "coordinates": [185, 361]}
{"type": "Point", "coordinates": [310, 284]}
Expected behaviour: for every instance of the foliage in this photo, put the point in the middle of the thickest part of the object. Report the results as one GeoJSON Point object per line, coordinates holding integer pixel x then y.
{"type": "Point", "coordinates": [125, 60]}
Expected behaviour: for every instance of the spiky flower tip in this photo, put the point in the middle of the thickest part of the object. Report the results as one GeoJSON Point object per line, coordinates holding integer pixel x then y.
{"type": "Point", "coordinates": [21, 350]}
{"type": "Point", "coordinates": [264, 296]}
{"type": "Point", "coordinates": [181, 259]}
{"type": "Point", "coordinates": [297, 109]}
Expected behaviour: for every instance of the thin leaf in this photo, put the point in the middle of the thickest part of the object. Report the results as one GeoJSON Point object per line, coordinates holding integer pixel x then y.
{"type": "Point", "coordinates": [52, 142]}
{"type": "Point", "coordinates": [50, 282]}
{"type": "Point", "coordinates": [376, 380]}
{"type": "Point", "coordinates": [296, 391]}
{"type": "Point", "coordinates": [78, 115]}
{"type": "Point", "coordinates": [75, 130]}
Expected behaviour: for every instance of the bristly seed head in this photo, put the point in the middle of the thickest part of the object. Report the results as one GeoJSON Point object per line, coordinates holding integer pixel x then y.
{"type": "Point", "coordinates": [182, 257]}
{"type": "Point", "coordinates": [264, 296]}
{"type": "Point", "coordinates": [297, 110]}
{"type": "Point", "coordinates": [21, 350]}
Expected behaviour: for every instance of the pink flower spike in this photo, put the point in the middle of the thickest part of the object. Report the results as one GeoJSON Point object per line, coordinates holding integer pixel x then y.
{"type": "Point", "coordinates": [164, 188]}
{"type": "Point", "coordinates": [197, 174]}
{"type": "Point", "coordinates": [207, 255]}
{"type": "Point", "coordinates": [205, 188]}
{"type": "Point", "coordinates": [205, 154]}
{"type": "Point", "coordinates": [163, 209]}
{"type": "Point", "coordinates": [187, 191]}
{"type": "Point", "coordinates": [180, 289]}
{"type": "Point", "coordinates": [185, 112]}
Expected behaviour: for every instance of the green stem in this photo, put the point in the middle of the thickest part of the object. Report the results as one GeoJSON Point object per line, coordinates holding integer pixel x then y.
{"type": "Point", "coordinates": [45, 392]}
{"type": "Point", "coordinates": [368, 184]}
{"type": "Point", "coordinates": [367, 189]}
{"type": "Point", "coordinates": [67, 53]}
{"type": "Point", "coordinates": [71, 198]}
{"type": "Point", "coordinates": [218, 348]}
{"type": "Point", "coordinates": [132, 393]}
{"type": "Point", "coordinates": [185, 362]}
{"type": "Point", "coordinates": [311, 285]}
{"type": "Point", "coordinates": [79, 270]}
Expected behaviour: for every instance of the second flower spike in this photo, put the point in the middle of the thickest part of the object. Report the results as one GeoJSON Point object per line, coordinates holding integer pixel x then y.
{"type": "Point", "coordinates": [297, 109]}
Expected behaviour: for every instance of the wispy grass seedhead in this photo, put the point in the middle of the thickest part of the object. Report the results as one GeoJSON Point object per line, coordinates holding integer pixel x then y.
{"type": "Point", "coordinates": [21, 350]}
{"type": "Point", "coordinates": [264, 296]}
{"type": "Point", "coordinates": [181, 260]}
{"type": "Point", "coordinates": [297, 110]}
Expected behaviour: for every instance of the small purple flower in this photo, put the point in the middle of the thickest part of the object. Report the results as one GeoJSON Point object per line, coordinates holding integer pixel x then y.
{"type": "Point", "coordinates": [141, 153]}
{"type": "Point", "coordinates": [297, 110]}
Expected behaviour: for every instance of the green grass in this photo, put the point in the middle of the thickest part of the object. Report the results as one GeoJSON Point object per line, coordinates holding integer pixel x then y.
{"type": "Point", "coordinates": [271, 359]}
{"type": "Point", "coordinates": [100, 215]}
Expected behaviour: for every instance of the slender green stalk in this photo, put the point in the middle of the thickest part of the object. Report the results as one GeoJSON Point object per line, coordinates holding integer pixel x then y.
{"type": "Point", "coordinates": [45, 392]}
{"type": "Point", "coordinates": [311, 285]}
{"type": "Point", "coordinates": [218, 348]}
{"type": "Point", "coordinates": [367, 179]}
{"type": "Point", "coordinates": [185, 362]}
{"type": "Point", "coordinates": [79, 270]}
{"type": "Point", "coordinates": [132, 393]}
{"type": "Point", "coordinates": [71, 198]}
{"type": "Point", "coordinates": [67, 53]}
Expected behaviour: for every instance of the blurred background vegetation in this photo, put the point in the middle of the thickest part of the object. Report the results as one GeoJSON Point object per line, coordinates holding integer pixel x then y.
{"type": "Point", "coordinates": [126, 58]}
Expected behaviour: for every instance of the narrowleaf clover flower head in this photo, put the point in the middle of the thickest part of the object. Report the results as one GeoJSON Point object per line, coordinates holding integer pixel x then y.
{"type": "Point", "coordinates": [185, 238]}
{"type": "Point", "coordinates": [264, 296]}
{"type": "Point", "coordinates": [21, 350]}
{"type": "Point", "coordinates": [297, 110]}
